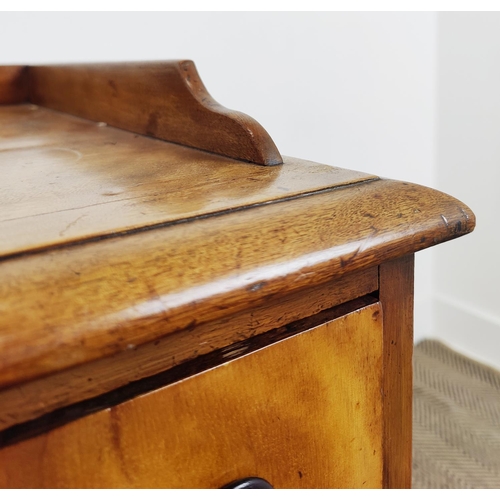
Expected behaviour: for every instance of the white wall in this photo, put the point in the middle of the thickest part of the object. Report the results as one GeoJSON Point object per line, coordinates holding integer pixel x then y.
{"type": "Point", "coordinates": [467, 302]}
{"type": "Point", "coordinates": [356, 90]}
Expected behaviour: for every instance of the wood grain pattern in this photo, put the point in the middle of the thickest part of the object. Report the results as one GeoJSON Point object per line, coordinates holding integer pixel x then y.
{"type": "Point", "coordinates": [123, 256]}
{"type": "Point", "coordinates": [13, 84]}
{"type": "Point", "coordinates": [38, 397]}
{"type": "Point", "coordinates": [396, 296]}
{"type": "Point", "coordinates": [66, 179]}
{"type": "Point", "coordinates": [77, 304]}
{"type": "Point", "coordinates": [307, 415]}
{"type": "Point", "coordinates": [166, 100]}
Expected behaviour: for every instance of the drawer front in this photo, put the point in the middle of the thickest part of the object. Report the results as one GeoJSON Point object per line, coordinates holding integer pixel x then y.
{"type": "Point", "coordinates": [305, 412]}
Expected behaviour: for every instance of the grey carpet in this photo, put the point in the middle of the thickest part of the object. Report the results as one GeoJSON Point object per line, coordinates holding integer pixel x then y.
{"type": "Point", "coordinates": [456, 420]}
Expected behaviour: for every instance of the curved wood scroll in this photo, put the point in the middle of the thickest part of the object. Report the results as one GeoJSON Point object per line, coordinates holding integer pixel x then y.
{"type": "Point", "coordinates": [166, 100]}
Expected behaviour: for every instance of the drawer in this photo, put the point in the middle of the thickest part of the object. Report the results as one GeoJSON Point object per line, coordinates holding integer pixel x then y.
{"type": "Point", "coordinates": [304, 412]}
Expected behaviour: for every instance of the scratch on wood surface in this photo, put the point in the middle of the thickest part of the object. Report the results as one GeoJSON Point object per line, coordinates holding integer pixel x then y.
{"type": "Point", "coordinates": [61, 233]}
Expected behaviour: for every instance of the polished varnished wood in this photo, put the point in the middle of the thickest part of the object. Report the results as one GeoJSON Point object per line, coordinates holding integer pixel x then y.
{"type": "Point", "coordinates": [76, 304]}
{"type": "Point", "coordinates": [79, 303]}
{"type": "Point", "coordinates": [66, 179]}
{"type": "Point", "coordinates": [185, 309]}
{"type": "Point", "coordinates": [308, 415]}
{"type": "Point", "coordinates": [396, 296]}
{"type": "Point", "coordinates": [13, 84]}
{"type": "Point", "coordinates": [166, 100]}
{"type": "Point", "coordinates": [30, 400]}
{"type": "Point", "coordinates": [183, 370]}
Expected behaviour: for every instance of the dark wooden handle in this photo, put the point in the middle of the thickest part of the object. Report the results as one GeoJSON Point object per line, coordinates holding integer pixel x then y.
{"type": "Point", "coordinates": [249, 483]}
{"type": "Point", "coordinates": [166, 100]}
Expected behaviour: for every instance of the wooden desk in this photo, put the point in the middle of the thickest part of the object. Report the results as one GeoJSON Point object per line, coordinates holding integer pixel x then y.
{"type": "Point", "coordinates": [181, 306]}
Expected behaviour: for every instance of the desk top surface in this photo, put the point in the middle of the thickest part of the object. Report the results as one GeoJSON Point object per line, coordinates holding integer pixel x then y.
{"type": "Point", "coordinates": [65, 179]}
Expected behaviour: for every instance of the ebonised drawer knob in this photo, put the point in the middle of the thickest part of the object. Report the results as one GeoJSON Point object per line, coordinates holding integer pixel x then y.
{"type": "Point", "coordinates": [249, 483]}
